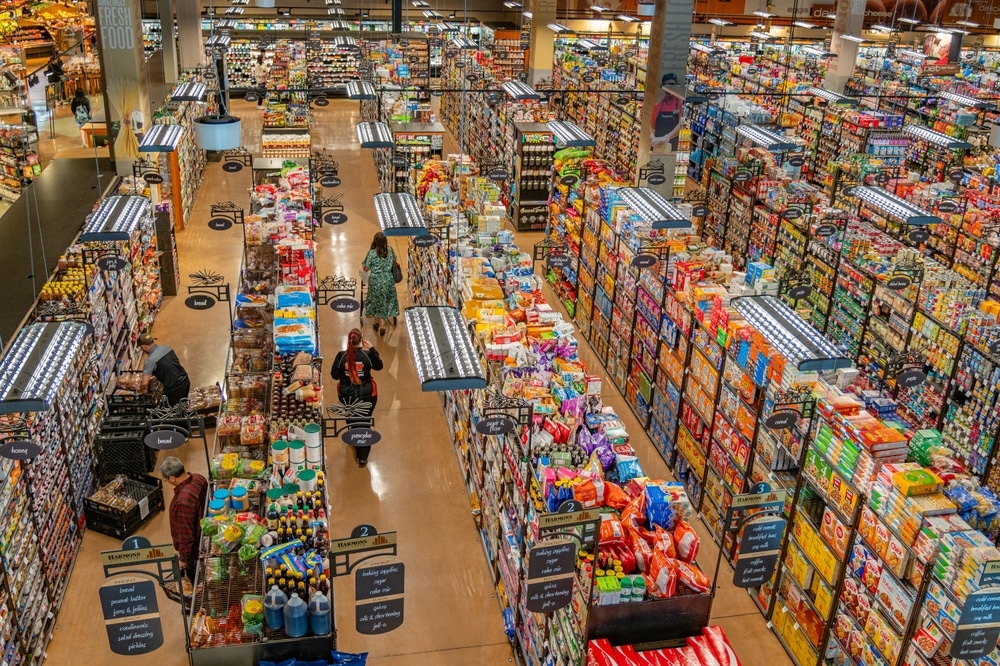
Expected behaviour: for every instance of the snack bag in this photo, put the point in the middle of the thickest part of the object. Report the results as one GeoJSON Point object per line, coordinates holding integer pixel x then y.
{"type": "Point", "coordinates": [614, 496]}
{"type": "Point", "coordinates": [612, 530]}
{"type": "Point", "coordinates": [641, 549]}
{"type": "Point", "coordinates": [692, 577]}
{"type": "Point", "coordinates": [349, 658]}
{"type": "Point", "coordinates": [664, 541]}
{"type": "Point", "coordinates": [661, 580]}
{"type": "Point", "coordinates": [686, 541]}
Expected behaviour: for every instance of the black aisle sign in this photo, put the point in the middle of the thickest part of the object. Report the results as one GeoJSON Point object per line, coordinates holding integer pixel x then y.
{"type": "Point", "coordinates": [979, 625]}
{"type": "Point", "coordinates": [360, 437]}
{"type": "Point", "coordinates": [112, 263]}
{"type": "Point", "coordinates": [232, 167]}
{"type": "Point", "coordinates": [378, 596]}
{"type": "Point", "coordinates": [643, 260]}
{"type": "Point", "coordinates": [220, 223]}
{"type": "Point", "coordinates": [199, 302]}
{"type": "Point", "coordinates": [162, 440]}
{"type": "Point", "coordinates": [758, 551]}
{"type": "Point", "coordinates": [329, 181]}
{"type": "Point", "coordinates": [498, 424]}
{"type": "Point", "coordinates": [558, 260]}
{"type": "Point", "coordinates": [551, 570]}
{"type": "Point", "coordinates": [19, 450]}
{"type": "Point", "coordinates": [131, 616]}
{"type": "Point", "coordinates": [345, 304]}
{"type": "Point", "coordinates": [334, 217]}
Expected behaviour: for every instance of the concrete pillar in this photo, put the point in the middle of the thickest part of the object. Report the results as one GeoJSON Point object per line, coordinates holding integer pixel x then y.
{"type": "Point", "coordinates": [190, 43]}
{"type": "Point", "coordinates": [850, 18]}
{"type": "Point", "coordinates": [119, 32]}
{"type": "Point", "coordinates": [165, 8]}
{"type": "Point", "coordinates": [543, 12]}
{"type": "Point", "coordinates": [663, 102]}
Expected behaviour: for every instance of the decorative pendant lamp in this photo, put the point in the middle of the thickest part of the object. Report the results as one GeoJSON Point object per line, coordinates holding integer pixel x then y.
{"type": "Point", "coordinates": [220, 131]}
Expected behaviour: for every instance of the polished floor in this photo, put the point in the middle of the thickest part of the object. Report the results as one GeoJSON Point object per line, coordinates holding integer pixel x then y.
{"type": "Point", "coordinates": [412, 483]}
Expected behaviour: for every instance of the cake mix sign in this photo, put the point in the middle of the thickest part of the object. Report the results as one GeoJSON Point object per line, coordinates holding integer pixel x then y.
{"type": "Point", "coordinates": [378, 597]}
{"type": "Point", "coordinates": [131, 616]}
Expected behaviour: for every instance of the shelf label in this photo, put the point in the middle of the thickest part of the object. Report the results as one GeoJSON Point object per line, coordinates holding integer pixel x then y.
{"type": "Point", "coordinates": [783, 419]}
{"type": "Point", "coordinates": [558, 260]}
{"type": "Point", "coordinates": [112, 264]}
{"type": "Point", "coordinates": [656, 179]}
{"type": "Point", "coordinates": [797, 291]}
{"type": "Point", "coordinates": [378, 597]}
{"type": "Point", "coordinates": [361, 437]}
{"type": "Point", "coordinates": [899, 282]}
{"type": "Point", "coordinates": [131, 616]}
{"type": "Point", "coordinates": [757, 554]}
{"type": "Point", "coordinates": [162, 440]}
{"type": "Point", "coordinates": [644, 261]}
{"type": "Point", "coordinates": [551, 570]}
{"type": "Point", "coordinates": [19, 450]}
{"type": "Point", "coordinates": [219, 224]}
{"type": "Point", "coordinates": [978, 627]}
{"type": "Point", "coordinates": [199, 302]}
{"type": "Point", "coordinates": [329, 181]}
{"type": "Point", "coordinates": [154, 178]}
{"type": "Point", "coordinates": [334, 218]}
{"type": "Point", "coordinates": [496, 425]}
{"type": "Point", "coordinates": [428, 240]}
{"type": "Point", "coordinates": [911, 378]}
{"type": "Point", "coordinates": [232, 167]}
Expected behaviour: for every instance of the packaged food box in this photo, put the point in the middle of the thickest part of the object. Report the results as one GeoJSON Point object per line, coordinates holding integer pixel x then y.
{"type": "Point", "coordinates": [917, 482]}
{"type": "Point", "coordinates": [928, 637]}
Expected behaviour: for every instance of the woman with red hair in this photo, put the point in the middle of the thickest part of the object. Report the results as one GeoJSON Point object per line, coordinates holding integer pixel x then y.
{"type": "Point", "coordinates": [352, 368]}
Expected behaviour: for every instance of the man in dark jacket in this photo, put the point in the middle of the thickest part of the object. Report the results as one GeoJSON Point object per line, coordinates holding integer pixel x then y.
{"type": "Point", "coordinates": [162, 363]}
{"type": "Point", "coordinates": [186, 509]}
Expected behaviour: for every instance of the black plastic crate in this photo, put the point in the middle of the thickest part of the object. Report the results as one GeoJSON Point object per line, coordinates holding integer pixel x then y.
{"type": "Point", "coordinates": [147, 491]}
{"type": "Point", "coordinates": [123, 456]}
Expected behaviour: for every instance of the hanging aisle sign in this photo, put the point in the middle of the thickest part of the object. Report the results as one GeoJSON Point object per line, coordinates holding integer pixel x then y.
{"type": "Point", "coordinates": [979, 625]}
{"type": "Point", "coordinates": [758, 551]}
{"type": "Point", "coordinates": [551, 572]}
{"type": "Point", "coordinates": [378, 597]}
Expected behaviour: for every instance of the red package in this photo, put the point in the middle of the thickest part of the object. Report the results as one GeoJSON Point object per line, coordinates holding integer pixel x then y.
{"type": "Point", "coordinates": [647, 658]}
{"type": "Point", "coordinates": [664, 541]}
{"type": "Point", "coordinates": [600, 653]}
{"type": "Point", "coordinates": [661, 579]}
{"type": "Point", "coordinates": [720, 645]}
{"type": "Point", "coordinates": [692, 577]}
{"type": "Point", "coordinates": [614, 496]}
{"type": "Point", "coordinates": [636, 510]}
{"type": "Point", "coordinates": [611, 530]}
{"type": "Point", "coordinates": [687, 656]}
{"type": "Point", "coordinates": [670, 657]}
{"type": "Point", "coordinates": [703, 650]}
{"type": "Point", "coordinates": [686, 541]}
{"type": "Point", "coordinates": [627, 656]}
{"type": "Point", "coordinates": [641, 549]}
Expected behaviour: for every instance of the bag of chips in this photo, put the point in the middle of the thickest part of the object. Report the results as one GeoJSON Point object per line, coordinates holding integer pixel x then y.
{"type": "Point", "coordinates": [664, 542]}
{"type": "Point", "coordinates": [693, 578]}
{"type": "Point", "coordinates": [611, 530]}
{"type": "Point", "coordinates": [661, 579]}
{"type": "Point", "coordinates": [686, 541]}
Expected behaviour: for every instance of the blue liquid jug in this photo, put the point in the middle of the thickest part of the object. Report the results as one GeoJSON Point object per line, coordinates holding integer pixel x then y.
{"type": "Point", "coordinates": [319, 614]}
{"type": "Point", "coordinates": [296, 617]}
{"type": "Point", "coordinates": [274, 606]}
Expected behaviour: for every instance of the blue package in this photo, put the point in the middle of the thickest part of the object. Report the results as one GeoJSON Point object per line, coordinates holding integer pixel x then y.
{"type": "Point", "coordinates": [342, 658]}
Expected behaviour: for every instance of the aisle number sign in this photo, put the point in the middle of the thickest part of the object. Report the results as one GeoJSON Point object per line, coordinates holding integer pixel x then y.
{"type": "Point", "coordinates": [131, 616]}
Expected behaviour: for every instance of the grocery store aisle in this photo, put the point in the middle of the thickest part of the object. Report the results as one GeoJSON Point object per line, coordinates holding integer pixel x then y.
{"type": "Point", "coordinates": [412, 483]}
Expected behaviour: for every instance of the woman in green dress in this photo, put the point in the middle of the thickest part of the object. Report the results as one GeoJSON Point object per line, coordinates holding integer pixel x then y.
{"type": "Point", "coordinates": [381, 303]}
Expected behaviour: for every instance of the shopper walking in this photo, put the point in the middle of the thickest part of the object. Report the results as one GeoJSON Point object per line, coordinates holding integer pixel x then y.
{"type": "Point", "coordinates": [260, 74]}
{"type": "Point", "coordinates": [381, 303]}
{"type": "Point", "coordinates": [80, 106]}
{"type": "Point", "coordinates": [186, 508]}
{"type": "Point", "coordinates": [163, 364]}
{"type": "Point", "coordinates": [352, 368]}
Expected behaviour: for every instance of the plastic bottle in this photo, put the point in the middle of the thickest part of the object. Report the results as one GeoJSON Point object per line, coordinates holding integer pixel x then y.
{"type": "Point", "coordinates": [319, 614]}
{"type": "Point", "coordinates": [274, 606]}
{"type": "Point", "coordinates": [296, 620]}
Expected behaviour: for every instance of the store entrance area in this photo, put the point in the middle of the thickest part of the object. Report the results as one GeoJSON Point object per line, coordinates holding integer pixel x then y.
{"type": "Point", "coordinates": [412, 483]}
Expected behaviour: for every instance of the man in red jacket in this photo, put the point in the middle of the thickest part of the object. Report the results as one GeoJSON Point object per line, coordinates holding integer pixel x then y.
{"type": "Point", "coordinates": [186, 510]}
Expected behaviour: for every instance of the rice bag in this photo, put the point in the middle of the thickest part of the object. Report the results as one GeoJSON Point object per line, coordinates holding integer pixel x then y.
{"type": "Point", "coordinates": [686, 541]}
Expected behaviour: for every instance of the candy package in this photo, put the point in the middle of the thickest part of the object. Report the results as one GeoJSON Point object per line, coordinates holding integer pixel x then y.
{"type": "Point", "coordinates": [723, 651]}
{"type": "Point", "coordinates": [702, 651]}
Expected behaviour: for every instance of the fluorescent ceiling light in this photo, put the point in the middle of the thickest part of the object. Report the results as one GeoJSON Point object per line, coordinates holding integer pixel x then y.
{"type": "Point", "coordinates": [510, 4]}
{"type": "Point", "coordinates": [889, 204]}
{"type": "Point", "coordinates": [569, 135]}
{"type": "Point", "coordinates": [218, 42]}
{"type": "Point", "coordinates": [627, 18]}
{"type": "Point", "coordinates": [804, 24]}
{"type": "Point", "coordinates": [234, 10]}
{"type": "Point", "coordinates": [598, 8]}
{"type": "Point", "coordinates": [761, 35]}
{"type": "Point", "coordinates": [819, 53]}
{"type": "Point", "coordinates": [589, 45]}
{"type": "Point", "coordinates": [33, 369]}
{"type": "Point", "coordinates": [443, 349]}
{"type": "Point", "coordinates": [360, 90]}
{"type": "Point", "coordinates": [832, 97]}
{"type": "Point", "coordinates": [703, 48]}
{"type": "Point", "coordinates": [228, 24]}
{"type": "Point", "coordinates": [420, 3]}
{"type": "Point", "coordinates": [766, 139]}
{"type": "Point", "coordinates": [957, 31]}
{"type": "Point", "coordinates": [464, 43]}
{"type": "Point", "coordinates": [335, 11]}
{"type": "Point", "coordinates": [967, 24]}
{"type": "Point", "coordinates": [913, 54]}
{"type": "Point", "coordinates": [345, 42]}
{"type": "Point", "coordinates": [520, 91]}
{"type": "Point", "coordinates": [654, 210]}
{"type": "Point", "coordinates": [527, 15]}
{"type": "Point", "coordinates": [188, 92]}
{"type": "Point", "coordinates": [881, 28]}
{"type": "Point", "coordinates": [718, 21]}
{"type": "Point", "coordinates": [374, 135]}
{"type": "Point", "coordinates": [852, 38]}
{"type": "Point", "coordinates": [908, 21]}
{"type": "Point", "coordinates": [937, 138]}
{"type": "Point", "coordinates": [970, 102]}
{"type": "Point", "coordinates": [117, 217]}
{"type": "Point", "coordinates": [787, 332]}
{"type": "Point", "coordinates": [161, 139]}
{"type": "Point", "coordinates": [340, 25]}
{"type": "Point", "coordinates": [399, 214]}
{"type": "Point", "coordinates": [429, 13]}
{"type": "Point", "coordinates": [763, 14]}
{"type": "Point", "coordinates": [558, 28]}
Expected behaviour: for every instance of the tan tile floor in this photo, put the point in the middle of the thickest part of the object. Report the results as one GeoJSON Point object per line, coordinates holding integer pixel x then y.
{"type": "Point", "coordinates": [412, 483]}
